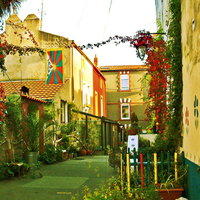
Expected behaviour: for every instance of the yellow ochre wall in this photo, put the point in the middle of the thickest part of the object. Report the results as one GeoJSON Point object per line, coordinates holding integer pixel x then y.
{"type": "Point", "coordinates": [191, 79]}
{"type": "Point", "coordinates": [17, 67]}
{"type": "Point", "coordinates": [138, 105]}
{"type": "Point", "coordinates": [33, 67]}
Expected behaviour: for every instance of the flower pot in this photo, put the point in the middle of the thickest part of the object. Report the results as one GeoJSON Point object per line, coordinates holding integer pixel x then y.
{"type": "Point", "coordinates": [71, 155]}
{"type": "Point", "coordinates": [133, 131]}
{"type": "Point", "coordinates": [64, 154]}
{"type": "Point", "coordinates": [31, 158]}
{"type": "Point", "coordinates": [89, 152]}
{"type": "Point", "coordinates": [170, 194]}
{"type": "Point", "coordinates": [82, 152]}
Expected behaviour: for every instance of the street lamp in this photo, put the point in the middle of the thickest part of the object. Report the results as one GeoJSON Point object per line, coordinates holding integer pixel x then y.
{"type": "Point", "coordinates": [141, 51]}
{"type": "Point", "coordinates": [142, 41]}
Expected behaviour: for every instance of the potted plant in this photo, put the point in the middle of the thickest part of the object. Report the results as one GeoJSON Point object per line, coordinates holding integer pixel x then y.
{"type": "Point", "coordinates": [31, 139]}
{"type": "Point", "coordinates": [171, 189]}
{"type": "Point", "coordinates": [134, 125]}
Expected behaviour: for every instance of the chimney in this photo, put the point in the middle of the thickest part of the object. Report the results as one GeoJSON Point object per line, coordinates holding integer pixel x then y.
{"type": "Point", "coordinates": [96, 60]}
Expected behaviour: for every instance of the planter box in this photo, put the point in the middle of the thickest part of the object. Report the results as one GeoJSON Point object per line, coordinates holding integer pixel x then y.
{"type": "Point", "coordinates": [170, 194]}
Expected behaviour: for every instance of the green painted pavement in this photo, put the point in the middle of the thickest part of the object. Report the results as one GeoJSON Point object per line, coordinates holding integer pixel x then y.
{"type": "Point", "coordinates": [60, 180]}
{"type": "Point", "coordinates": [57, 182]}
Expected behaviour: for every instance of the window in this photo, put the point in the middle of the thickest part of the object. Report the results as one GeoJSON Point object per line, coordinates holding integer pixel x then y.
{"type": "Point", "coordinates": [101, 105]}
{"type": "Point", "coordinates": [124, 80]}
{"type": "Point", "coordinates": [125, 111]}
{"type": "Point", "coordinates": [83, 64]}
{"type": "Point", "coordinates": [86, 95]}
{"type": "Point", "coordinates": [63, 115]}
{"type": "Point", "coordinates": [96, 103]}
{"type": "Point", "coordinates": [101, 83]}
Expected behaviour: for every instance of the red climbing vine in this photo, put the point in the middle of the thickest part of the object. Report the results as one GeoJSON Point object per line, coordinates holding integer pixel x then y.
{"type": "Point", "coordinates": [159, 70]}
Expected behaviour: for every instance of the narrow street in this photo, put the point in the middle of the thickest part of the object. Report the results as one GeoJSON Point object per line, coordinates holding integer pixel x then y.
{"type": "Point", "coordinates": [60, 181]}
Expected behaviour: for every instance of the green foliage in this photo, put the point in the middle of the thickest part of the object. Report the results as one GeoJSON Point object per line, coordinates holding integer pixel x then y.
{"type": "Point", "coordinates": [5, 171]}
{"type": "Point", "coordinates": [35, 173]}
{"type": "Point", "coordinates": [143, 142]}
{"type": "Point", "coordinates": [33, 132]}
{"type": "Point", "coordinates": [72, 110]}
{"type": "Point", "coordinates": [148, 192]}
{"type": "Point", "coordinates": [67, 128]}
{"type": "Point", "coordinates": [8, 6]}
{"type": "Point", "coordinates": [14, 115]}
{"type": "Point", "coordinates": [145, 80]}
{"type": "Point", "coordinates": [90, 139]}
{"type": "Point", "coordinates": [49, 115]}
{"type": "Point", "coordinates": [8, 171]}
{"type": "Point", "coordinates": [134, 118]}
{"type": "Point", "coordinates": [151, 124]}
{"type": "Point", "coordinates": [175, 56]}
{"type": "Point", "coordinates": [111, 189]}
{"type": "Point", "coordinates": [51, 154]}
{"type": "Point", "coordinates": [64, 143]}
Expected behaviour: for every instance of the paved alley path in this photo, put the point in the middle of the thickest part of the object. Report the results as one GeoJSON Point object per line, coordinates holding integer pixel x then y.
{"type": "Point", "coordinates": [59, 181]}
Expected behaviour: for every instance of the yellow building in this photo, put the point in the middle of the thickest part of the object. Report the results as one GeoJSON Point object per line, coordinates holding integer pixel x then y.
{"type": "Point", "coordinates": [191, 95]}
{"type": "Point", "coordinates": [74, 73]}
{"type": "Point", "coordinates": [124, 95]}
{"type": "Point", "coordinates": [190, 30]}
{"type": "Point", "coordinates": [64, 75]}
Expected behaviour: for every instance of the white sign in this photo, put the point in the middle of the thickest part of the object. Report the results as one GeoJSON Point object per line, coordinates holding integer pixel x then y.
{"type": "Point", "coordinates": [132, 143]}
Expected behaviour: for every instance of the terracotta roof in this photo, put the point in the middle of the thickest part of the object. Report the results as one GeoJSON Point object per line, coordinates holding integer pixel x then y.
{"type": "Point", "coordinates": [37, 88]}
{"type": "Point", "coordinates": [123, 67]}
{"type": "Point", "coordinates": [32, 98]}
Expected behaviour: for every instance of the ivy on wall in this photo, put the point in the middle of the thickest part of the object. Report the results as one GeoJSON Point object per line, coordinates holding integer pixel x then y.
{"type": "Point", "coordinates": [175, 57]}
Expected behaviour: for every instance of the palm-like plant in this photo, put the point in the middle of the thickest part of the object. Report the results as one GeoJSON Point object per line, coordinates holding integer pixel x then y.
{"type": "Point", "coordinates": [33, 131]}
{"type": "Point", "coordinates": [6, 6]}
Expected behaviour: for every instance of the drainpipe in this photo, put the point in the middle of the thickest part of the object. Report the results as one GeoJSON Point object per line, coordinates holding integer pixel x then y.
{"type": "Point", "coordinates": [72, 70]}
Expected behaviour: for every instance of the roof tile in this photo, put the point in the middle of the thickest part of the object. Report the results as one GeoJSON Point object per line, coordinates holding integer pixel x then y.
{"type": "Point", "coordinates": [37, 88]}
{"type": "Point", "coordinates": [123, 67]}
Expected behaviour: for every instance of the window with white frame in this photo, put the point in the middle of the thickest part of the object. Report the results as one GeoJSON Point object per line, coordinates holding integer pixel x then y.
{"type": "Point", "coordinates": [86, 95]}
{"type": "Point", "coordinates": [124, 81]}
{"type": "Point", "coordinates": [125, 111]}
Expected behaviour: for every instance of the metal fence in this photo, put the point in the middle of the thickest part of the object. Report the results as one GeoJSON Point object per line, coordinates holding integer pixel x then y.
{"type": "Point", "coordinates": [109, 131]}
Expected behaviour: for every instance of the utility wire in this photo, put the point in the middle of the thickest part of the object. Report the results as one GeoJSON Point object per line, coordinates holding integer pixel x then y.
{"type": "Point", "coordinates": [107, 18]}
{"type": "Point", "coordinates": [81, 17]}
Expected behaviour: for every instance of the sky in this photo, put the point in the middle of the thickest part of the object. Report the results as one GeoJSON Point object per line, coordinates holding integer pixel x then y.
{"type": "Point", "coordinates": [93, 21]}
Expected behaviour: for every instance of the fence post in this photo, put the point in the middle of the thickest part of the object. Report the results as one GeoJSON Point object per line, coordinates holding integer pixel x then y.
{"type": "Point", "coordinates": [128, 172]}
{"type": "Point", "coordinates": [134, 158]}
{"type": "Point", "coordinates": [176, 166]}
{"type": "Point", "coordinates": [183, 158]}
{"type": "Point", "coordinates": [148, 168]}
{"type": "Point", "coordinates": [155, 168]}
{"type": "Point", "coordinates": [162, 165]}
{"type": "Point", "coordinates": [142, 169]}
{"type": "Point", "coordinates": [168, 160]}
{"type": "Point", "coordinates": [121, 165]}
